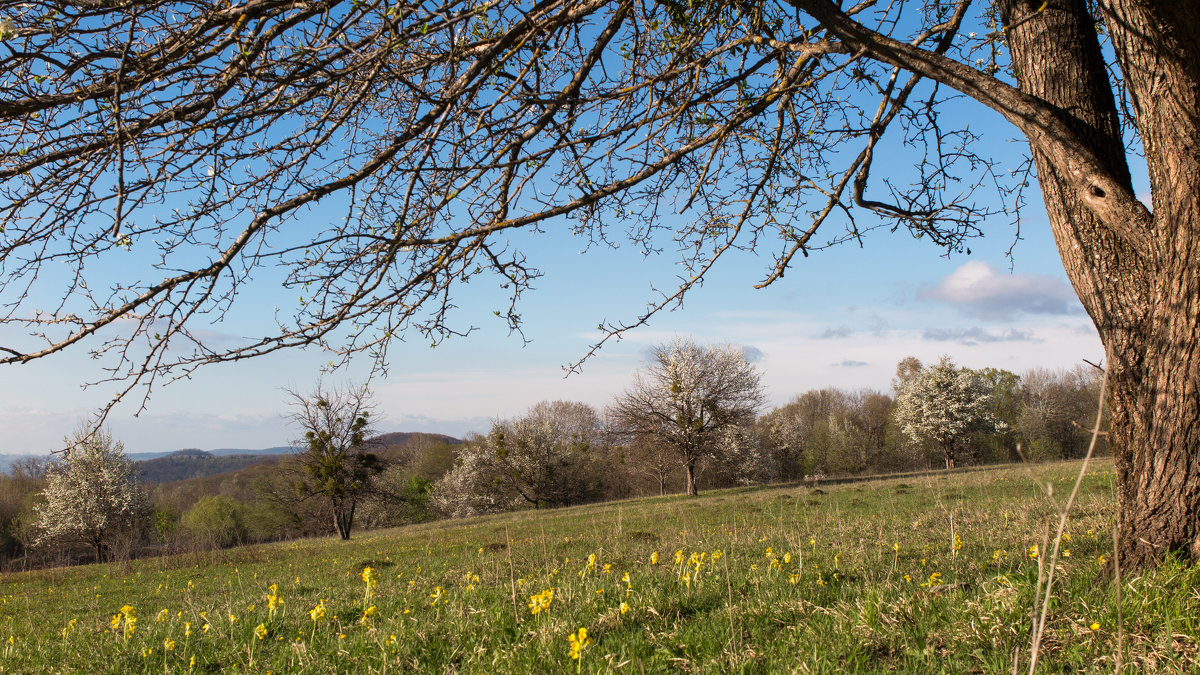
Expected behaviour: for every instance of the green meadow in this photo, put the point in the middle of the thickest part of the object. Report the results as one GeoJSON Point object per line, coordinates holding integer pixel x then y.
{"type": "Point", "coordinates": [919, 573]}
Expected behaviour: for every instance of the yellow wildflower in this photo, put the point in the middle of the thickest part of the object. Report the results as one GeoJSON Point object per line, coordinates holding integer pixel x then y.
{"type": "Point", "coordinates": [578, 643]}
{"type": "Point", "coordinates": [260, 631]}
{"type": "Point", "coordinates": [370, 577]}
{"type": "Point", "coordinates": [317, 613]}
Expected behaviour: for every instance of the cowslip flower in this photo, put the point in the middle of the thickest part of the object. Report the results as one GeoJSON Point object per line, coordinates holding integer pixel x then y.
{"type": "Point", "coordinates": [260, 631]}
{"type": "Point", "coordinates": [273, 600]}
{"type": "Point", "coordinates": [317, 613]}
{"type": "Point", "coordinates": [579, 641]}
{"type": "Point", "coordinates": [654, 558]}
{"type": "Point", "coordinates": [541, 601]}
{"type": "Point", "coordinates": [125, 621]}
{"type": "Point", "coordinates": [371, 578]}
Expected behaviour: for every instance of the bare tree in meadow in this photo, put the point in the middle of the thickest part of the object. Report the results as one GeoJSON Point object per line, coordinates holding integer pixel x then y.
{"type": "Point", "coordinates": [334, 461]}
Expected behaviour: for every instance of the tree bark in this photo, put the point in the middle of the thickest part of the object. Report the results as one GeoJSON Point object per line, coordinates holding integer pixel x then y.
{"type": "Point", "coordinates": [1145, 303]}
{"type": "Point", "coordinates": [690, 466]}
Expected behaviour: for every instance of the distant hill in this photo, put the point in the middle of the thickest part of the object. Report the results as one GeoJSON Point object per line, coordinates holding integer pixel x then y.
{"type": "Point", "coordinates": [220, 452]}
{"type": "Point", "coordinates": [165, 467]}
{"type": "Point", "coordinates": [193, 463]}
{"type": "Point", "coordinates": [406, 438]}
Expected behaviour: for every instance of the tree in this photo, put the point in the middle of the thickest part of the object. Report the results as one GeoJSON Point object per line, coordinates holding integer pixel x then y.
{"type": "Point", "coordinates": [470, 488]}
{"type": "Point", "coordinates": [92, 496]}
{"type": "Point", "coordinates": [220, 522]}
{"type": "Point", "coordinates": [999, 442]}
{"type": "Point", "coordinates": [945, 404]}
{"type": "Point", "coordinates": [686, 397]}
{"type": "Point", "coordinates": [652, 459]}
{"type": "Point", "coordinates": [156, 127]}
{"type": "Point", "coordinates": [19, 489]}
{"type": "Point", "coordinates": [333, 458]}
{"type": "Point", "coordinates": [550, 456]}
{"type": "Point", "coordinates": [737, 458]}
{"type": "Point", "coordinates": [1058, 409]}
{"type": "Point", "coordinates": [830, 431]}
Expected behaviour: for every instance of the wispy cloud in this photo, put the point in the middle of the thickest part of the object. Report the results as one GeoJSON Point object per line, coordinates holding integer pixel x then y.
{"type": "Point", "coordinates": [976, 335]}
{"type": "Point", "coordinates": [835, 333]}
{"type": "Point", "coordinates": [979, 290]}
{"type": "Point", "coordinates": [850, 363]}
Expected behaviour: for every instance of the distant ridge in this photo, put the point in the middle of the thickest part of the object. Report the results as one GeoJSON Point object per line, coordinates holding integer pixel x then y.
{"type": "Point", "coordinates": [406, 437]}
{"type": "Point", "coordinates": [164, 467]}
{"type": "Point", "coordinates": [219, 452]}
{"type": "Point", "coordinates": [193, 463]}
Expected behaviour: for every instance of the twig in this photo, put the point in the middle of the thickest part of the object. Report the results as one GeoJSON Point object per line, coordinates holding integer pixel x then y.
{"type": "Point", "coordinates": [512, 577]}
{"type": "Point", "coordinates": [1062, 523]}
{"type": "Point", "coordinates": [1117, 575]}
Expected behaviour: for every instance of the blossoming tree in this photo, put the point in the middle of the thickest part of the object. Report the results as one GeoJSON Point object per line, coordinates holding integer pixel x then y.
{"type": "Point", "coordinates": [687, 396]}
{"type": "Point", "coordinates": [92, 495]}
{"type": "Point", "coordinates": [944, 404]}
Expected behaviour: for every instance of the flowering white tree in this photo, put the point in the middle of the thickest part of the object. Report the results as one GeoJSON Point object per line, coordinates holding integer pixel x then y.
{"type": "Point", "coordinates": [468, 488]}
{"type": "Point", "coordinates": [738, 458]}
{"type": "Point", "coordinates": [547, 457]}
{"type": "Point", "coordinates": [92, 496]}
{"type": "Point", "coordinates": [944, 404]}
{"type": "Point", "coordinates": [687, 396]}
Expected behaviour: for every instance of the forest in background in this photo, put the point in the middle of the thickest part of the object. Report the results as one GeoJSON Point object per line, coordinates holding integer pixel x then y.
{"type": "Point", "coordinates": [561, 453]}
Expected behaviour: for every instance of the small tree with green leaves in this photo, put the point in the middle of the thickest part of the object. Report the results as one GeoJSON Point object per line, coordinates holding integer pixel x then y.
{"type": "Point", "coordinates": [333, 458]}
{"type": "Point", "coordinates": [92, 497]}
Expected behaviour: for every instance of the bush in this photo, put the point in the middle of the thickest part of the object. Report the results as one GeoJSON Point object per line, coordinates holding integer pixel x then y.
{"type": "Point", "coordinates": [217, 521]}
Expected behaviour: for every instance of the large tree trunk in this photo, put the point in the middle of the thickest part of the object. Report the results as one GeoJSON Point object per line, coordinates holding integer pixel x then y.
{"type": "Point", "coordinates": [690, 467]}
{"type": "Point", "coordinates": [1145, 303]}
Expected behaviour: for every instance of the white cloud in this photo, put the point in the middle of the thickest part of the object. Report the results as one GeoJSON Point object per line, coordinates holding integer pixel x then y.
{"type": "Point", "coordinates": [979, 290]}
{"type": "Point", "coordinates": [975, 335]}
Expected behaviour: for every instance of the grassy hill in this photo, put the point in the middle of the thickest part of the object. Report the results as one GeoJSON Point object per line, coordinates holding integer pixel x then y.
{"type": "Point", "coordinates": [933, 573]}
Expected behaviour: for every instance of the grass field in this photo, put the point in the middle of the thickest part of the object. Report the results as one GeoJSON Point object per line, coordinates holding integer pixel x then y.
{"type": "Point", "coordinates": [932, 573]}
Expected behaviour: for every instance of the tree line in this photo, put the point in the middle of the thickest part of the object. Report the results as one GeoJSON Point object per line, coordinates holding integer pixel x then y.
{"type": "Point", "coordinates": [694, 417]}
